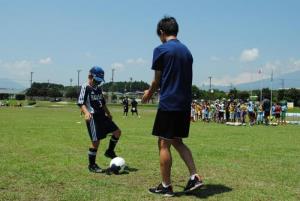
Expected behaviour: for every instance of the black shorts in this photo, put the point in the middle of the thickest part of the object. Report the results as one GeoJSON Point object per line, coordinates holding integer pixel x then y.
{"type": "Point", "coordinates": [277, 115]}
{"type": "Point", "coordinates": [134, 109]}
{"type": "Point", "coordinates": [221, 115]}
{"type": "Point", "coordinates": [266, 113]}
{"type": "Point", "coordinates": [125, 109]}
{"type": "Point", "coordinates": [251, 114]}
{"type": "Point", "coordinates": [99, 126]}
{"type": "Point", "coordinates": [172, 124]}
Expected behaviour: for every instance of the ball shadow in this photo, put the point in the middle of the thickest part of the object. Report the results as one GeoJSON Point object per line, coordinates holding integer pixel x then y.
{"type": "Point", "coordinates": [127, 170]}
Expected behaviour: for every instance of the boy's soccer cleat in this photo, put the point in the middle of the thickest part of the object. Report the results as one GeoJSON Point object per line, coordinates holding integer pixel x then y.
{"type": "Point", "coordinates": [166, 192]}
{"type": "Point", "coordinates": [110, 154]}
{"type": "Point", "coordinates": [95, 168]}
{"type": "Point", "coordinates": [193, 184]}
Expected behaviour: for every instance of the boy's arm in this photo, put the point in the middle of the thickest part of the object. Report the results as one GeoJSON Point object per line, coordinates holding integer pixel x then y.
{"type": "Point", "coordinates": [82, 101]}
{"type": "Point", "coordinates": [153, 88]}
{"type": "Point", "coordinates": [87, 114]}
{"type": "Point", "coordinates": [107, 112]}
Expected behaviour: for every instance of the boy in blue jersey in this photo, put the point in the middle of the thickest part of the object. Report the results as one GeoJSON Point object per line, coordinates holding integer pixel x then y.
{"type": "Point", "coordinates": [125, 106]}
{"type": "Point", "coordinates": [172, 63]}
{"type": "Point", "coordinates": [97, 116]}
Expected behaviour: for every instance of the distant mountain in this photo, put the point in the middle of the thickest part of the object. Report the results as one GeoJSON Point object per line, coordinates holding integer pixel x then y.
{"type": "Point", "coordinates": [289, 80]}
{"type": "Point", "coordinates": [10, 84]}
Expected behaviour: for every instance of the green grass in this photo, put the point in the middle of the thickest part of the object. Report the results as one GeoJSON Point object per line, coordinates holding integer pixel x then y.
{"type": "Point", "coordinates": [43, 156]}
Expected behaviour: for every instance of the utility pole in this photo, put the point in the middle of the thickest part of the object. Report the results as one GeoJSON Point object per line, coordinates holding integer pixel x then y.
{"type": "Point", "coordinates": [112, 79]}
{"type": "Point", "coordinates": [282, 83]}
{"type": "Point", "coordinates": [78, 74]}
{"type": "Point", "coordinates": [261, 80]}
{"type": "Point", "coordinates": [31, 74]}
{"type": "Point", "coordinates": [210, 77]}
{"type": "Point", "coordinates": [112, 74]}
{"type": "Point", "coordinates": [271, 89]}
{"type": "Point", "coordinates": [130, 83]}
{"type": "Point", "coordinates": [252, 84]}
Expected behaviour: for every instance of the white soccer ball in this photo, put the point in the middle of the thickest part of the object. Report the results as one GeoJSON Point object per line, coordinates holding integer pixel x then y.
{"type": "Point", "coordinates": [117, 165]}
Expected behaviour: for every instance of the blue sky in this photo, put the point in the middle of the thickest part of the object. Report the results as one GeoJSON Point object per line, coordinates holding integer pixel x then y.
{"type": "Point", "coordinates": [230, 40]}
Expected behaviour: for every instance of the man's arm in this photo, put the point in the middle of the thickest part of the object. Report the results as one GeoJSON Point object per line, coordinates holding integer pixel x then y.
{"type": "Point", "coordinates": [153, 87]}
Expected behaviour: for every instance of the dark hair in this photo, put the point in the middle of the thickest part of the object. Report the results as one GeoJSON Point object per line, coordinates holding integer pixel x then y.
{"type": "Point", "coordinates": [168, 25]}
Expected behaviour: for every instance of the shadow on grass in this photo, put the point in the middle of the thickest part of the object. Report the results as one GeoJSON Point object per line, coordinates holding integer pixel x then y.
{"type": "Point", "coordinates": [127, 170]}
{"type": "Point", "coordinates": [206, 191]}
{"type": "Point", "coordinates": [130, 169]}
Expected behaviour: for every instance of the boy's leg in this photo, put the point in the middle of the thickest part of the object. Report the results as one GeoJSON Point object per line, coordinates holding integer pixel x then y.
{"type": "Point", "coordinates": [165, 160]}
{"type": "Point", "coordinates": [110, 152]}
{"type": "Point", "coordinates": [92, 154]}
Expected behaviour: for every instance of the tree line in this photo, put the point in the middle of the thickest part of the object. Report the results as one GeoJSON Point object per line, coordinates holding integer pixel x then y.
{"type": "Point", "coordinates": [57, 90]}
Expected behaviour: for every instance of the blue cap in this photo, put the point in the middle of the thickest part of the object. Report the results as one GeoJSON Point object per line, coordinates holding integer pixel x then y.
{"type": "Point", "coordinates": [97, 73]}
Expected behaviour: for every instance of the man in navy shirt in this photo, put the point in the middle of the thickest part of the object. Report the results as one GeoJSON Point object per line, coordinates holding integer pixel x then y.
{"type": "Point", "coordinates": [172, 63]}
{"type": "Point", "coordinates": [98, 118]}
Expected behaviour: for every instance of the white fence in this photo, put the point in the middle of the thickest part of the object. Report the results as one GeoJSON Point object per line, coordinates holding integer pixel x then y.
{"type": "Point", "coordinates": [293, 118]}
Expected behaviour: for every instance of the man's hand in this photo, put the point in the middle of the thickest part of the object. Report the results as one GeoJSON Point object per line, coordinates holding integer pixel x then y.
{"type": "Point", "coordinates": [87, 116]}
{"type": "Point", "coordinates": [147, 96]}
{"type": "Point", "coordinates": [154, 86]}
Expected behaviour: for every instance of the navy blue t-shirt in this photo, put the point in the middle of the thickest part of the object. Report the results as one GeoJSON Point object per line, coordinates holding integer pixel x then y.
{"type": "Point", "coordinates": [93, 99]}
{"type": "Point", "coordinates": [175, 61]}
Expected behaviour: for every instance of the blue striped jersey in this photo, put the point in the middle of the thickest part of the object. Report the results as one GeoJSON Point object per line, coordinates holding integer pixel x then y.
{"type": "Point", "coordinates": [92, 98]}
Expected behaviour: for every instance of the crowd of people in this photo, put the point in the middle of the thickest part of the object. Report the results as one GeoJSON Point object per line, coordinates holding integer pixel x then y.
{"type": "Point", "coordinates": [239, 112]}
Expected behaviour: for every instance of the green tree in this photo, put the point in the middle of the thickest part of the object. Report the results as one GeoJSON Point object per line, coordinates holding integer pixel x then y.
{"type": "Point", "coordinates": [244, 95]}
{"type": "Point", "coordinates": [71, 92]}
{"type": "Point", "coordinates": [195, 92]}
{"type": "Point", "coordinates": [54, 93]}
{"type": "Point", "coordinates": [266, 93]}
{"type": "Point", "coordinates": [232, 93]}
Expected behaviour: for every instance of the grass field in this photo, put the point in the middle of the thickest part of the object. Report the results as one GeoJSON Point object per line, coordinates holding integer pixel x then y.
{"type": "Point", "coordinates": [43, 156]}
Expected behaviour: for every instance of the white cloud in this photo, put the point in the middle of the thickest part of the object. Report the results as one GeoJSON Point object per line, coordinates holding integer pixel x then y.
{"type": "Point", "coordinates": [120, 66]}
{"type": "Point", "coordinates": [47, 60]}
{"type": "Point", "coordinates": [278, 68]}
{"type": "Point", "coordinates": [227, 80]}
{"type": "Point", "coordinates": [214, 58]}
{"type": "Point", "coordinates": [249, 55]}
{"type": "Point", "coordinates": [18, 68]}
{"type": "Point", "coordinates": [294, 65]}
{"type": "Point", "coordinates": [117, 66]}
{"type": "Point", "coordinates": [88, 55]}
{"type": "Point", "coordinates": [136, 61]}
{"type": "Point", "coordinates": [231, 58]}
